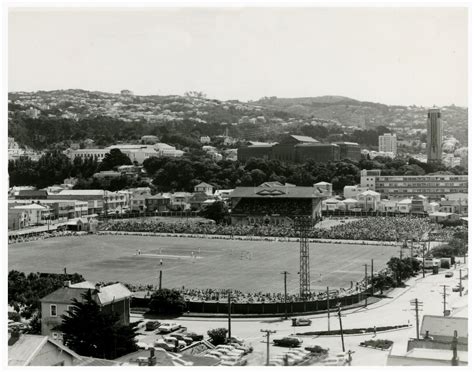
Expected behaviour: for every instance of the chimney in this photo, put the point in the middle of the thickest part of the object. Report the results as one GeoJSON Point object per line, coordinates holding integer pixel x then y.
{"type": "Point", "coordinates": [67, 283]}
{"type": "Point", "coordinates": [14, 336]}
{"type": "Point", "coordinates": [152, 358]}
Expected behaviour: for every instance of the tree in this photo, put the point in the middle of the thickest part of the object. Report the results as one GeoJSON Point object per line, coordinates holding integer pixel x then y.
{"type": "Point", "coordinates": [382, 282]}
{"type": "Point", "coordinates": [168, 302]}
{"type": "Point", "coordinates": [113, 159]}
{"type": "Point", "coordinates": [400, 269]}
{"type": "Point", "coordinates": [91, 332]}
{"type": "Point", "coordinates": [217, 211]}
{"type": "Point", "coordinates": [217, 335]}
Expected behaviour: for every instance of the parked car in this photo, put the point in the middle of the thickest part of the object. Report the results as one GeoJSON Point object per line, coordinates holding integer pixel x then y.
{"type": "Point", "coordinates": [181, 337]}
{"type": "Point", "coordinates": [174, 340]}
{"type": "Point", "coordinates": [194, 336]}
{"type": "Point", "coordinates": [168, 327]}
{"type": "Point", "coordinates": [152, 325]}
{"type": "Point", "coordinates": [164, 345]}
{"type": "Point", "coordinates": [449, 275]}
{"type": "Point", "coordinates": [301, 322]}
{"type": "Point", "coordinates": [458, 288]}
{"type": "Point", "coordinates": [316, 349]}
{"type": "Point", "coordinates": [288, 342]}
{"type": "Point", "coordinates": [233, 361]}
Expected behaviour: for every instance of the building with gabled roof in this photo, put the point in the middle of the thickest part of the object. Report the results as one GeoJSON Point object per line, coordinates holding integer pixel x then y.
{"type": "Point", "coordinates": [275, 205]}
{"type": "Point", "coordinates": [37, 350]}
{"type": "Point", "coordinates": [112, 298]}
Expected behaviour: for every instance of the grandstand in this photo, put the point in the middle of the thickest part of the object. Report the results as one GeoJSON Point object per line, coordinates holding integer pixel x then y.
{"type": "Point", "coordinates": [275, 204]}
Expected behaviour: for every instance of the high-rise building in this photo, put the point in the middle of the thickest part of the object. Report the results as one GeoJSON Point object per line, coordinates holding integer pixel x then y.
{"type": "Point", "coordinates": [434, 136]}
{"type": "Point", "coordinates": [388, 143]}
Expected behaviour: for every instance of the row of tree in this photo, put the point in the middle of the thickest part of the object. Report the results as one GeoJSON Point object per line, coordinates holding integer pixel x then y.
{"type": "Point", "coordinates": [182, 174]}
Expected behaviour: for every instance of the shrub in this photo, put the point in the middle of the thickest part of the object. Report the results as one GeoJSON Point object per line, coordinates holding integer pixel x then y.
{"type": "Point", "coordinates": [168, 302]}
{"type": "Point", "coordinates": [217, 335]}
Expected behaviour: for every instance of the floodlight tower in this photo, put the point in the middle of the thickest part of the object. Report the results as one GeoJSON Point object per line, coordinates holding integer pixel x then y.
{"type": "Point", "coordinates": [303, 225]}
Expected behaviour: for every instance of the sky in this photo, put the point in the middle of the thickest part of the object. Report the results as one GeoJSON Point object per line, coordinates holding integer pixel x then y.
{"type": "Point", "coordinates": [389, 55]}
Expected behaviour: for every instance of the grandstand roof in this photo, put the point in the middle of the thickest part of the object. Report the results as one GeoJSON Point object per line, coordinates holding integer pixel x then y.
{"type": "Point", "coordinates": [276, 192]}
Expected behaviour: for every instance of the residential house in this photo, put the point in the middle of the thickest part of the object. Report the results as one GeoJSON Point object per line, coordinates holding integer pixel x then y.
{"type": "Point", "coordinates": [333, 204]}
{"type": "Point", "coordinates": [350, 204]}
{"type": "Point", "coordinates": [324, 187]}
{"type": "Point", "coordinates": [199, 199]}
{"type": "Point", "coordinates": [369, 200]}
{"type": "Point", "coordinates": [443, 216]}
{"type": "Point", "coordinates": [17, 219]}
{"type": "Point", "coordinates": [180, 200]}
{"type": "Point", "coordinates": [36, 214]}
{"type": "Point", "coordinates": [157, 203]}
{"type": "Point", "coordinates": [204, 188]}
{"type": "Point", "coordinates": [404, 206]}
{"type": "Point", "coordinates": [37, 350]}
{"type": "Point", "coordinates": [112, 298]}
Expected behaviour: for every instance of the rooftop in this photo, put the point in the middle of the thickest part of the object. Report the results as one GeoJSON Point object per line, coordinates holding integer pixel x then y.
{"type": "Point", "coordinates": [276, 192]}
{"type": "Point", "coordinates": [27, 347]}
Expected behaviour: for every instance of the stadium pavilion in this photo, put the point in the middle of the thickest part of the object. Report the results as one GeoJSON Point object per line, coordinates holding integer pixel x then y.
{"type": "Point", "coordinates": [272, 203]}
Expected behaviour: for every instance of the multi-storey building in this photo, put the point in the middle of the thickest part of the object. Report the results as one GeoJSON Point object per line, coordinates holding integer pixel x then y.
{"type": "Point", "coordinates": [349, 150]}
{"type": "Point", "coordinates": [388, 143]}
{"type": "Point", "coordinates": [434, 186]}
{"type": "Point", "coordinates": [434, 136]}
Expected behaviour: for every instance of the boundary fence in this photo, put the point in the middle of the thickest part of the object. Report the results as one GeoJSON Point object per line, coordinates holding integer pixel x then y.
{"type": "Point", "coordinates": [264, 308]}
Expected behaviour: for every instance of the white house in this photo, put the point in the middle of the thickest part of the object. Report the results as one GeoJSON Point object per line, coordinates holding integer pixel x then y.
{"type": "Point", "coordinates": [369, 200]}
{"type": "Point", "coordinates": [203, 187]}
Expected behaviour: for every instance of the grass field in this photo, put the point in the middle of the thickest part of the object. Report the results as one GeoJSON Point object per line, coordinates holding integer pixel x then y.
{"type": "Point", "coordinates": [218, 263]}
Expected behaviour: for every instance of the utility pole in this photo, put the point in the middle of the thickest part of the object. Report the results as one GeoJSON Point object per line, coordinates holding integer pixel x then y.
{"type": "Point", "coordinates": [329, 310]}
{"type": "Point", "coordinates": [340, 326]}
{"type": "Point", "coordinates": [454, 346]}
{"type": "Point", "coordinates": [161, 277]}
{"type": "Point", "coordinates": [444, 300]}
{"type": "Point", "coordinates": [372, 276]}
{"type": "Point", "coordinates": [285, 273]}
{"type": "Point", "coordinates": [267, 332]}
{"type": "Point", "coordinates": [423, 263]}
{"type": "Point", "coordinates": [229, 319]}
{"type": "Point", "coordinates": [411, 249]}
{"type": "Point", "coordinates": [417, 309]}
{"type": "Point", "coordinates": [366, 279]}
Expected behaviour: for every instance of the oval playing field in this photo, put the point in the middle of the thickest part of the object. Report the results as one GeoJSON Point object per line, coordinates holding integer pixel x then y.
{"type": "Point", "coordinates": [197, 263]}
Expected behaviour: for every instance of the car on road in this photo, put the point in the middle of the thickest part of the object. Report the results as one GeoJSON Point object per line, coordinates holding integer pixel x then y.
{"type": "Point", "coordinates": [458, 288]}
{"type": "Point", "coordinates": [168, 327]}
{"type": "Point", "coordinates": [152, 325]}
{"type": "Point", "coordinates": [298, 322]}
{"type": "Point", "coordinates": [288, 342]}
{"type": "Point", "coordinates": [449, 275]}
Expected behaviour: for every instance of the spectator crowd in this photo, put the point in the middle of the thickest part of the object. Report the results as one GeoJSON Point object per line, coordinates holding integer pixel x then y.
{"type": "Point", "coordinates": [390, 229]}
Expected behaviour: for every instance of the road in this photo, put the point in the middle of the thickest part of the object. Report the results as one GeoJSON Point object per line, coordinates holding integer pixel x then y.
{"type": "Point", "coordinates": [393, 310]}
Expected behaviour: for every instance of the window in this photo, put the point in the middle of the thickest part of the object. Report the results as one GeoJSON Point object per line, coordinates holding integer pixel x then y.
{"type": "Point", "coordinates": [53, 310]}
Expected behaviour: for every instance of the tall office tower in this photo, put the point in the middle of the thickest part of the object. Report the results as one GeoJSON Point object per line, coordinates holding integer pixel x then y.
{"type": "Point", "coordinates": [434, 136]}
{"type": "Point", "coordinates": [388, 143]}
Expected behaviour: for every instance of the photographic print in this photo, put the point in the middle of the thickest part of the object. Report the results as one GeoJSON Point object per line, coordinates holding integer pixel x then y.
{"type": "Point", "coordinates": [237, 186]}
